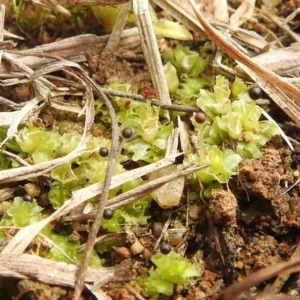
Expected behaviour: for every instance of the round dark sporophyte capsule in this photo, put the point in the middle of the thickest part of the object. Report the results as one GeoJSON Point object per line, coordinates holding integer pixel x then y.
{"type": "Point", "coordinates": [200, 117]}
{"type": "Point", "coordinates": [103, 151]}
{"type": "Point", "coordinates": [107, 214]}
{"type": "Point", "coordinates": [255, 92]}
{"type": "Point", "coordinates": [127, 133]}
{"type": "Point", "coordinates": [165, 248]}
{"type": "Point", "coordinates": [27, 197]}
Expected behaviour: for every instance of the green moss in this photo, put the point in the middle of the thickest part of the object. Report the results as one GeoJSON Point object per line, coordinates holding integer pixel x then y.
{"type": "Point", "coordinates": [170, 269]}
{"type": "Point", "coordinates": [186, 61]}
{"type": "Point", "coordinates": [232, 131]}
{"type": "Point", "coordinates": [66, 251]}
{"type": "Point", "coordinates": [21, 213]}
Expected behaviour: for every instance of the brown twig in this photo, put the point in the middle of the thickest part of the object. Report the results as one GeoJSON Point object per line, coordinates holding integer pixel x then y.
{"type": "Point", "coordinates": [234, 290]}
{"type": "Point", "coordinates": [106, 186]}
{"type": "Point", "coordinates": [155, 102]}
{"type": "Point", "coordinates": [116, 34]}
{"type": "Point", "coordinates": [2, 14]}
{"type": "Point", "coordinates": [282, 278]}
{"type": "Point", "coordinates": [135, 194]}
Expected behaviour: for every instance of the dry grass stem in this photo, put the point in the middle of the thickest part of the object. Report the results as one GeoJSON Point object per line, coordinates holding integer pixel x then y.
{"type": "Point", "coordinates": [150, 50]}
{"type": "Point", "coordinates": [154, 102]}
{"type": "Point", "coordinates": [135, 194]}
{"type": "Point", "coordinates": [292, 15]}
{"type": "Point", "coordinates": [74, 49]}
{"type": "Point", "coordinates": [25, 266]}
{"type": "Point", "coordinates": [181, 11]}
{"type": "Point", "coordinates": [243, 13]}
{"type": "Point", "coordinates": [116, 34]}
{"type": "Point", "coordinates": [282, 92]}
{"type": "Point", "coordinates": [282, 278]}
{"type": "Point", "coordinates": [81, 273]}
{"type": "Point", "coordinates": [2, 15]}
{"type": "Point", "coordinates": [233, 291]}
{"type": "Point", "coordinates": [285, 28]}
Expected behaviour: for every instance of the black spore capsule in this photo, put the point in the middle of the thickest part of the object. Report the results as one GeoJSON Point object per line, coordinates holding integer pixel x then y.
{"type": "Point", "coordinates": [107, 214]}
{"type": "Point", "coordinates": [255, 92]}
{"type": "Point", "coordinates": [165, 248]}
{"type": "Point", "coordinates": [103, 151]}
{"type": "Point", "coordinates": [127, 133]}
{"type": "Point", "coordinates": [27, 197]}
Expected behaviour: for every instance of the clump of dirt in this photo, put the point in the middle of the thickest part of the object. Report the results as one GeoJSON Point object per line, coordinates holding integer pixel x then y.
{"type": "Point", "coordinates": [222, 207]}
{"type": "Point", "coordinates": [262, 178]}
{"type": "Point", "coordinates": [108, 68]}
{"type": "Point", "coordinates": [266, 182]}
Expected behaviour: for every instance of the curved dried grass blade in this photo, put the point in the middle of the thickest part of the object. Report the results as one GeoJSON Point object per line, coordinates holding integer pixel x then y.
{"type": "Point", "coordinates": [29, 108]}
{"type": "Point", "coordinates": [282, 92]}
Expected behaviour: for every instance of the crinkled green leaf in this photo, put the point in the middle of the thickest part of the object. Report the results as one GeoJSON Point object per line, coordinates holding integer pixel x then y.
{"type": "Point", "coordinates": [221, 89]}
{"type": "Point", "coordinates": [232, 124]}
{"type": "Point", "coordinates": [59, 193]}
{"type": "Point", "coordinates": [64, 173]}
{"type": "Point", "coordinates": [66, 251]}
{"type": "Point", "coordinates": [238, 87]}
{"type": "Point", "coordinates": [186, 61]}
{"type": "Point", "coordinates": [21, 213]}
{"type": "Point", "coordinates": [237, 121]}
{"type": "Point", "coordinates": [41, 144]}
{"type": "Point", "coordinates": [150, 129]}
{"type": "Point", "coordinates": [172, 30]}
{"type": "Point", "coordinates": [170, 269]}
{"type": "Point", "coordinates": [113, 224]}
{"type": "Point", "coordinates": [154, 286]}
{"type": "Point", "coordinates": [171, 77]}
{"type": "Point", "coordinates": [222, 165]}
{"type": "Point", "coordinates": [173, 267]}
{"type": "Point", "coordinates": [68, 143]}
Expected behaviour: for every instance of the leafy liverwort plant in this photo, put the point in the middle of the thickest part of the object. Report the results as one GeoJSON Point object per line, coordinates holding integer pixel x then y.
{"type": "Point", "coordinates": [171, 269]}
{"type": "Point", "coordinates": [21, 213]}
{"type": "Point", "coordinates": [231, 131]}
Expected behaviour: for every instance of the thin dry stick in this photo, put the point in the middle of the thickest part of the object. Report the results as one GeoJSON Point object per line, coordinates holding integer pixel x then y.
{"type": "Point", "coordinates": [155, 102]}
{"type": "Point", "coordinates": [16, 157]}
{"type": "Point", "coordinates": [2, 14]}
{"type": "Point", "coordinates": [135, 194]}
{"type": "Point", "coordinates": [181, 12]}
{"type": "Point", "coordinates": [106, 185]}
{"type": "Point", "coordinates": [282, 278]}
{"type": "Point", "coordinates": [234, 290]}
{"type": "Point", "coordinates": [91, 2]}
{"type": "Point", "coordinates": [278, 89]}
{"type": "Point", "coordinates": [150, 50]}
{"type": "Point", "coordinates": [292, 16]}
{"type": "Point", "coordinates": [116, 34]}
